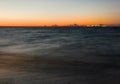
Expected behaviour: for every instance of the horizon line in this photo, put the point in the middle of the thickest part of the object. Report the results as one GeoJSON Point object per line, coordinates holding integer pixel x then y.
{"type": "Point", "coordinates": [74, 24]}
{"type": "Point", "coordinates": [68, 26]}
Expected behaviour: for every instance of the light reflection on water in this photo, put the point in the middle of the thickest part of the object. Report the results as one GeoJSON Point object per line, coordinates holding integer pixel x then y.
{"type": "Point", "coordinates": [17, 69]}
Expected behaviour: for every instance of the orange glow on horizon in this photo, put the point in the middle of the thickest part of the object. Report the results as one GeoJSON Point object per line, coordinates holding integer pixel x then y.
{"type": "Point", "coordinates": [60, 22]}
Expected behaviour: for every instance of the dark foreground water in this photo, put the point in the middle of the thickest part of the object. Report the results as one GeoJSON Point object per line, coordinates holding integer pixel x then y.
{"type": "Point", "coordinates": [60, 55]}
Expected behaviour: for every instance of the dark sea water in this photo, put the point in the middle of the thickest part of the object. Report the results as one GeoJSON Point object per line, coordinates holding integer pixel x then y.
{"type": "Point", "coordinates": [68, 55]}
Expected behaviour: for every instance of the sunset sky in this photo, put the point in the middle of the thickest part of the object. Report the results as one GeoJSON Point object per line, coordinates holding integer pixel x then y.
{"type": "Point", "coordinates": [60, 12]}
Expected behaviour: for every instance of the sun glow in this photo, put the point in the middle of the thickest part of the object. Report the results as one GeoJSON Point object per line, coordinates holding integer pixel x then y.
{"type": "Point", "coordinates": [59, 12]}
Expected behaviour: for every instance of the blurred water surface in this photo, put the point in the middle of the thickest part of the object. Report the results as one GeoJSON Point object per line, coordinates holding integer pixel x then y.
{"type": "Point", "coordinates": [60, 55]}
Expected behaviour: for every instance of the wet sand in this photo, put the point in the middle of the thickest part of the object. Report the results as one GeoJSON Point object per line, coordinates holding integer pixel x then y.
{"type": "Point", "coordinates": [24, 69]}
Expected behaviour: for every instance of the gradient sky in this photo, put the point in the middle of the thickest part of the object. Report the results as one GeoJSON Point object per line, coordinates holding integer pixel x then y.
{"type": "Point", "coordinates": [60, 12]}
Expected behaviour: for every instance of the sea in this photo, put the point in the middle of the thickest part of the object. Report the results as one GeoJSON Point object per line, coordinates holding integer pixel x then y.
{"type": "Point", "coordinates": [58, 55]}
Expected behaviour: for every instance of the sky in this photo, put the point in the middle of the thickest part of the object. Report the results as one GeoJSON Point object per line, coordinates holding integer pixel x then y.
{"type": "Point", "coordinates": [59, 12]}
